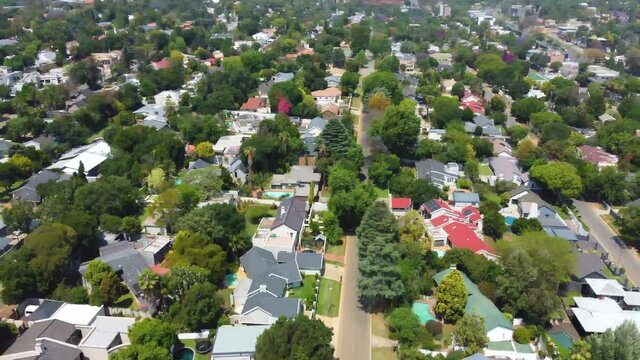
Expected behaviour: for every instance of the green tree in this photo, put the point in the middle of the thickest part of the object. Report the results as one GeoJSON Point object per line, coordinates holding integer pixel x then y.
{"type": "Point", "coordinates": [386, 80]}
{"type": "Point", "coordinates": [412, 230]}
{"type": "Point", "coordinates": [207, 181]}
{"type": "Point", "coordinates": [630, 225]}
{"type": "Point", "coordinates": [389, 63]}
{"type": "Point", "coordinates": [149, 332]}
{"type": "Point", "coordinates": [494, 225]}
{"type": "Point", "coordinates": [458, 90]}
{"type": "Point", "coordinates": [8, 333]}
{"type": "Point", "coordinates": [580, 351]}
{"type": "Point", "coordinates": [382, 168]}
{"type": "Point", "coordinates": [19, 216]}
{"type": "Point", "coordinates": [338, 59]}
{"type": "Point", "coordinates": [298, 338]}
{"type": "Point", "coordinates": [349, 82]}
{"type": "Point", "coordinates": [221, 224]}
{"type": "Point", "coordinates": [451, 297]}
{"type": "Point", "coordinates": [149, 283]}
{"type": "Point", "coordinates": [156, 179]}
{"type": "Point", "coordinates": [471, 334]}
{"type": "Point", "coordinates": [359, 35]}
{"type": "Point", "coordinates": [619, 344]}
{"type": "Point", "coordinates": [523, 108]}
{"type": "Point", "coordinates": [399, 128]}
{"type": "Point", "coordinates": [182, 278]}
{"type": "Point", "coordinates": [445, 110]}
{"type": "Point", "coordinates": [96, 271]}
{"type": "Point", "coordinates": [194, 249]}
{"type": "Point", "coordinates": [404, 326]}
{"type": "Point", "coordinates": [200, 308]}
{"type": "Point", "coordinates": [561, 177]}
{"type": "Point", "coordinates": [336, 139]}
{"type": "Point", "coordinates": [85, 72]}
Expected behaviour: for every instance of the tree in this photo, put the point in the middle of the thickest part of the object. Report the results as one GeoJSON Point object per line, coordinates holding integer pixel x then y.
{"type": "Point", "coordinates": [412, 230]}
{"type": "Point", "coordinates": [194, 249]}
{"type": "Point", "coordinates": [207, 181]}
{"type": "Point", "coordinates": [382, 168]}
{"type": "Point", "coordinates": [221, 224]}
{"type": "Point", "coordinates": [182, 278]}
{"type": "Point", "coordinates": [451, 297]}
{"type": "Point", "coordinates": [561, 177]}
{"type": "Point", "coordinates": [379, 283]}
{"type": "Point", "coordinates": [630, 225]}
{"type": "Point", "coordinates": [619, 344]}
{"type": "Point", "coordinates": [19, 216]}
{"type": "Point", "coordinates": [494, 225]}
{"type": "Point", "coordinates": [342, 178]}
{"type": "Point", "coordinates": [8, 333]}
{"type": "Point", "coordinates": [378, 101]}
{"type": "Point", "coordinates": [350, 206]}
{"type": "Point", "coordinates": [498, 104]}
{"type": "Point", "coordinates": [458, 90]}
{"type": "Point", "coordinates": [349, 82]}
{"type": "Point", "coordinates": [522, 225]}
{"type": "Point", "coordinates": [96, 271]}
{"type": "Point", "coordinates": [404, 326]}
{"type": "Point", "coordinates": [580, 351]}
{"type": "Point", "coordinates": [336, 139]}
{"type": "Point", "coordinates": [156, 179]}
{"type": "Point", "coordinates": [399, 128]}
{"type": "Point", "coordinates": [389, 63]}
{"type": "Point", "coordinates": [471, 334]}
{"type": "Point", "coordinates": [85, 72]}
{"type": "Point", "coordinates": [596, 103]}
{"type": "Point", "coordinates": [141, 352]}
{"type": "Point", "coordinates": [298, 338]}
{"type": "Point", "coordinates": [445, 110]}
{"type": "Point", "coordinates": [200, 308]}
{"type": "Point", "coordinates": [149, 283]}
{"type": "Point", "coordinates": [359, 35]}
{"type": "Point", "coordinates": [150, 332]}
{"type": "Point", "coordinates": [108, 195]}
{"type": "Point", "coordinates": [338, 58]}
{"type": "Point", "coordinates": [386, 80]}
{"type": "Point", "coordinates": [523, 108]}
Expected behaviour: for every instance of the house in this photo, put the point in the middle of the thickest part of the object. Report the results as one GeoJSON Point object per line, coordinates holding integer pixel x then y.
{"type": "Point", "coordinates": [501, 148]}
{"type": "Point", "coordinates": [606, 118]}
{"type": "Point", "coordinates": [42, 142]}
{"type": "Point", "coordinates": [400, 206]}
{"type": "Point", "coordinates": [299, 178]}
{"type": "Point", "coordinates": [535, 93]}
{"type": "Point", "coordinates": [227, 149]}
{"type": "Point", "coordinates": [326, 96]}
{"type": "Point", "coordinates": [130, 259]}
{"type": "Point", "coordinates": [588, 266]}
{"type": "Point", "coordinates": [168, 96]}
{"type": "Point", "coordinates": [332, 81]}
{"type": "Point", "coordinates": [162, 64]}
{"type": "Point", "coordinates": [473, 103]}
{"type": "Point", "coordinates": [154, 115]}
{"type": "Point", "coordinates": [105, 61]}
{"type": "Point", "coordinates": [256, 104]}
{"type": "Point", "coordinates": [436, 134]}
{"type": "Point", "coordinates": [259, 299]}
{"type": "Point", "coordinates": [486, 124]}
{"type": "Point", "coordinates": [437, 207]}
{"type": "Point", "coordinates": [445, 60]}
{"type": "Point", "coordinates": [57, 330]}
{"type": "Point", "coordinates": [282, 233]}
{"type": "Point", "coordinates": [236, 342]}
{"type": "Point", "coordinates": [596, 155]}
{"type": "Point", "coordinates": [597, 315]}
{"type": "Point", "coordinates": [54, 77]}
{"type": "Point", "coordinates": [601, 73]}
{"type": "Point", "coordinates": [282, 77]}
{"type": "Point", "coordinates": [29, 191]}
{"type": "Point", "coordinates": [507, 169]}
{"type": "Point", "coordinates": [45, 57]}
{"type": "Point", "coordinates": [440, 174]}
{"type": "Point", "coordinates": [463, 199]}
{"type": "Point", "coordinates": [447, 84]}
{"type": "Point", "coordinates": [310, 130]}
{"type": "Point", "coordinates": [329, 111]}
{"type": "Point", "coordinates": [247, 122]}
{"type": "Point", "coordinates": [90, 156]}
{"type": "Point", "coordinates": [461, 236]}
{"type": "Point", "coordinates": [498, 327]}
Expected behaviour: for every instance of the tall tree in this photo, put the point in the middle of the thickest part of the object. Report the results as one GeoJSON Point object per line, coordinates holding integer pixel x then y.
{"type": "Point", "coordinates": [399, 128]}
{"type": "Point", "coordinates": [451, 297]}
{"type": "Point", "coordinates": [471, 334]}
{"type": "Point", "coordinates": [298, 338]}
{"type": "Point", "coordinates": [620, 344]}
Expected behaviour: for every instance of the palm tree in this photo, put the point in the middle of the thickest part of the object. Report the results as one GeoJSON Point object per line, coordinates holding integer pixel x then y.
{"type": "Point", "coordinates": [284, 138]}
{"type": "Point", "coordinates": [249, 152]}
{"type": "Point", "coordinates": [149, 283]}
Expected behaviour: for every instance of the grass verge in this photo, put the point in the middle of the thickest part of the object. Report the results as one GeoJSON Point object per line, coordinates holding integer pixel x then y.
{"type": "Point", "coordinates": [611, 222]}
{"type": "Point", "coordinates": [329, 298]}
{"type": "Point", "coordinates": [383, 354]}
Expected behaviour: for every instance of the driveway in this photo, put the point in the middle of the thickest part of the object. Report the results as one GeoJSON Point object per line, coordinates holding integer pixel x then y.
{"type": "Point", "coordinates": [354, 324]}
{"type": "Point", "coordinates": [605, 236]}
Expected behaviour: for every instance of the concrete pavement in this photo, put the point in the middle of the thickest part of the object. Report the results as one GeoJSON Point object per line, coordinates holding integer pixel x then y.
{"type": "Point", "coordinates": [605, 237]}
{"type": "Point", "coordinates": [354, 324]}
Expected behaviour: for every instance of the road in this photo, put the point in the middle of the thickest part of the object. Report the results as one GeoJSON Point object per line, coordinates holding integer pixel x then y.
{"type": "Point", "coordinates": [605, 237]}
{"type": "Point", "coordinates": [354, 324]}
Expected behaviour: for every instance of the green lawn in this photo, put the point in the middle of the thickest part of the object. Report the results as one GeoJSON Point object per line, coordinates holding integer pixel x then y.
{"type": "Point", "coordinates": [306, 290]}
{"type": "Point", "coordinates": [251, 227]}
{"type": "Point", "coordinates": [383, 354]}
{"type": "Point", "coordinates": [611, 222]}
{"type": "Point", "coordinates": [336, 249]}
{"type": "Point", "coordinates": [192, 344]}
{"type": "Point", "coordinates": [382, 193]}
{"type": "Point", "coordinates": [329, 298]}
{"type": "Point", "coordinates": [224, 294]}
{"type": "Point", "coordinates": [127, 301]}
{"type": "Point", "coordinates": [568, 301]}
{"type": "Point", "coordinates": [484, 170]}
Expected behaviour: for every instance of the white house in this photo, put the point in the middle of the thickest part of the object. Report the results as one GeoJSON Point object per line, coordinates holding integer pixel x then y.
{"type": "Point", "coordinates": [326, 96]}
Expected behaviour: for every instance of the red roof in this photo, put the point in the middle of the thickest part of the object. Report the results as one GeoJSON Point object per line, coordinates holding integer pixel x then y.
{"type": "Point", "coordinates": [440, 220]}
{"type": "Point", "coordinates": [252, 104]}
{"type": "Point", "coordinates": [400, 203]}
{"type": "Point", "coordinates": [462, 237]}
{"type": "Point", "coordinates": [472, 214]}
{"type": "Point", "coordinates": [475, 106]}
{"type": "Point", "coordinates": [162, 64]}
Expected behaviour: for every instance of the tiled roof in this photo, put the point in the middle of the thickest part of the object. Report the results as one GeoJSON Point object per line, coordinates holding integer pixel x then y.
{"type": "Point", "coordinates": [462, 237]}
{"type": "Point", "coordinates": [400, 203]}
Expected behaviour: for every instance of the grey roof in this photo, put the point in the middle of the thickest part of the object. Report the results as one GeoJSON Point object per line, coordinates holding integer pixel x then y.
{"type": "Point", "coordinates": [507, 167]}
{"type": "Point", "coordinates": [28, 192]}
{"type": "Point", "coordinates": [154, 123]}
{"type": "Point", "coordinates": [635, 202]}
{"type": "Point", "coordinates": [281, 77]}
{"type": "Point", "coordinates": [587, 264]}
{"type": "Point", "coordinates": [198, 164]}
{"type": "Point", "coordinates": [45, 310]}
{"type": "Point", "coordinates": [124, 258]}
{"type": "Point", "coordinates": [425, 167]}
{"type": "Point", "coordinates": [310, 261]}
{"type": "Point", "coordinates": [259, 264]}
{"type": "Point", "coordinates": [476, 357]}
{"type": "Point", "coordinates": [240, 339]}
{"type": "Point", "coordinates": [272, 283]}
{"type": "Point", "coordinates": [291, 213]}
{"type": "Point", "coordinates": [5, 145]}
{"type": "Point", "coordinates": [57, 351]}
{"type": "Point", "coordinates": [561, 232]}
{"type": "Point", "coordinates": [8, 42]}
{"type": "Point", "coordinates": [285, 256]}
{"type": "Point", "coordinates": [465, 197]}
{"type": "Point", "coordinates": [52, 329]}
{"type": "Point", "coordinates": [317, 122]}
{"type": "Point", "coordinates": [276, 307]}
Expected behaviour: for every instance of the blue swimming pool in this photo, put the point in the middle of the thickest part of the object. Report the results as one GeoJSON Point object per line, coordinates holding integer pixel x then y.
{"type": "Point", "coordinates": [231, 280]}
{"type": "Point", "coordinates": [509, 220]}
{"type": "Point", "coordinates": [563, 339]}
{"type": "Point", "coordinates": [276, 194]}
{"type": "Point", "coordinates": [422, 312]}
{"type": "Point", "coordinates": [184, 354]}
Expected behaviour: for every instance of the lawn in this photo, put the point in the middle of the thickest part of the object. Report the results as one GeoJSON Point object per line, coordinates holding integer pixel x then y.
{"type": "Point", "coordinates": [127, 301]}
{"type": "Point", "coordinates": [256, 208]}
{"type": "Point", "coordinates": [568, 301]}
{"type": "Point", "coordinates": [484, 170]}
{"type": "Point", "coordinates": [381, 193]}
{"type": "Point", "coordinates": [611, 222]}
{"type": "Point", "coordinates": [383, 354]}
{"type": "Point", "coordinates": [379, 326]}
{"type": "Point", "coordinates": [306, 290]}
{"type": "Point", "coordinates": [329, 298]}
{"type": "Point", "coordinates": [337, 249]}
{"type": "Point", "coordinates": [191, 343]}
{"type": "Point", "coordinates": [224, 294]}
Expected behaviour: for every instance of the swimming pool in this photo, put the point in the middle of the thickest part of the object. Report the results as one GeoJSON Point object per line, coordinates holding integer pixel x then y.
{"type": "Point", "coordinates": [183, 354]}
{"type": "Point", "coordinates": [563, 339]}
{"type": "Point", "coordinates": [509, 220]}
{"type": "Point", "coordinates": [276, 194]}
{"type": "Point", "coordinates": [231, 280]}
{"type": "Point", "coordinates": [422, 312]}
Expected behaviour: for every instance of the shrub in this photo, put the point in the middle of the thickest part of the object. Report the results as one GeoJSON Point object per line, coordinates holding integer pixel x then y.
{"type": "Point", "coordinates": [434, 327]}
{"type": "Point", "coordinates": [524, 335]}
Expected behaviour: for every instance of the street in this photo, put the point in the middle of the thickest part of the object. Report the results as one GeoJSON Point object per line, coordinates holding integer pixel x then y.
{"type": "Point", "coordinates": [354, 324]}
{"type": "Point", "coordinates": [605, 237]}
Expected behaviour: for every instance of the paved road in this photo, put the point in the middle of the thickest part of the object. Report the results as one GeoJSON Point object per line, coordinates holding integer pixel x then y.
{"type": "Point", "coordinates": [605, 236]}
{"type": "Point", "coordinates": [354, 324]}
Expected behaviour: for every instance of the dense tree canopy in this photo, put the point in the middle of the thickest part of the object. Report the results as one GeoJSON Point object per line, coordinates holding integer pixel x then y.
{"type": "Point", "coordinates": [295, 338]}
